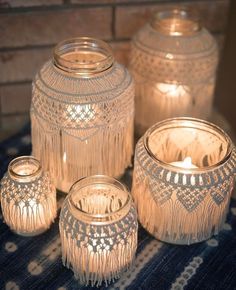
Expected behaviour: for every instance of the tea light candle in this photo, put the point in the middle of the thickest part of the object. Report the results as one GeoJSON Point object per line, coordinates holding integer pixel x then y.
{"type": "Point", "coordinates": [183, 178]}
{"type": "Point", "coordinates": [173, 61]}
{"type": "Point", "coordinates": [98, 228]}
{"type": "Point", "coordinates": [82, 101]}
{"type": "Point", "coordinates": [186, 163]}
{"type": "Point", "coordinates": [28, 197]}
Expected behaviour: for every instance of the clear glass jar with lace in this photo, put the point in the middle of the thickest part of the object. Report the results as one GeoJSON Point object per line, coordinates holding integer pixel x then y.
{"type": "Point", "coordinates": [28, 197]}
{"type": "Point", "coordinates": [184, 174]}
{"type": "Point", "coordinates": [173, 61]}
{"type": "Point", "coordinates": [98, 229]}
{"type": "Point", "coordinates": [82, 112]}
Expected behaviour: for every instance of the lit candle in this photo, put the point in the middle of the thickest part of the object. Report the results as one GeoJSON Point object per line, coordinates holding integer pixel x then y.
{"type": "Point", "coordinates": [98, 228]}
{"type": "Point", "coordinates": [28, 198]}
{"type": "Point", "coordinates": [180, 202]}
{"type": "Point", "coordinates": [174, 90]}
{"type": "Point", "coordinates": [165, 60]}
{"type": "Point", "coordinates": [186, 163]}
{"type": "Point", "coordinates": [89, 110]}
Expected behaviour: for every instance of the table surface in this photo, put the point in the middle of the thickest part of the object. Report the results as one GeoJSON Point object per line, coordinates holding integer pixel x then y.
{"type": "Point", "coordinates": [35, 263]}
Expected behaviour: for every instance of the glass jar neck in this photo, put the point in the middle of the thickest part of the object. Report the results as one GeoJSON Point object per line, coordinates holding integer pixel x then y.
{"type": "Point", "coordinates": [24, 169]}
{"type": "Point", "coordinates": [198, 135]}
{"type": "Point", "coordinates": [83, 56]}
{"type": "Point", "coordinates": [99, 200]}
{"type": "Point", "coordinates": [176, 22]}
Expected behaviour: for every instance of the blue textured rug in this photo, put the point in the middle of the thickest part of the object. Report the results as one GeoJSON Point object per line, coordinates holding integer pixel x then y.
{"type": "Point", "coordinates": [35, 263]}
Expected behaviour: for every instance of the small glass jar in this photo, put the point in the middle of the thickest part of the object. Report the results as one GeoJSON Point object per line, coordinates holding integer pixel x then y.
{"type": "Point", "coordinates": [82, 113]}
{"type": "Point", "coordinates": [173, 61]}
{"type": "Point", "coordinates": [98, 228]}
{"type": "Point", "coordinates": [28, 197]}
{"type": "Point", "coordinates": [183, 178]}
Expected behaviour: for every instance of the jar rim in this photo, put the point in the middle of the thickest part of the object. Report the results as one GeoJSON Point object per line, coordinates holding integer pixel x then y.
{"type": "Point", "coordinates": [86, 45]}
{"type": "Point", "coordinates": [17, 161]}
{"type": "Point", "coordinates": [176, 22]}
{"type": "Point", "coordinates": [99, 179]}
{"type": "Point", "coordinates": [187, 122]}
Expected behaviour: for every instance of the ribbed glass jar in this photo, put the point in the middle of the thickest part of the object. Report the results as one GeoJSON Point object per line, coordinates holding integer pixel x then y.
{"type": "Point", "coordinates": [98, 228]}
{"type": "Point", "coordinates": [184, 174]}
{"type": "Point", "coordinates": [173, 61]}
{"type": "Point", "coordinates": [82, 112]}
{"type": "Point", "coordinates": [28, 197]}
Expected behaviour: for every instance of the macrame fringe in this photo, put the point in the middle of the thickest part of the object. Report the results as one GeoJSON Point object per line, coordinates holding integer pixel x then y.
{"type": "Point", "coordinates": [29, 219]}
{"type": "Point", "coordinates": [171, 222]}
{"type": "Point", "coordinates": [94, 268]}
{"type": "Point", "coordinates": [68, 158]}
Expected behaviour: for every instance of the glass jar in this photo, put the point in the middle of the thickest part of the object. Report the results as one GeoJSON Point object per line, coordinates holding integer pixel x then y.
{"type": "Point", "coordinates": [98, 228]}
{"type": "Point", "coordinates": [82, 112]}
{"type": "Point", "coordinates": [173, 61]}
{"type": "Point", "coordinates": [183, 178]}
{"type": "Point", "coordinates": [28, 197]}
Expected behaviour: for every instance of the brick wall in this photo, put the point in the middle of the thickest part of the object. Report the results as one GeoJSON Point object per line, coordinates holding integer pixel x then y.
{"type": "Point", "coordinates": [29, 29]}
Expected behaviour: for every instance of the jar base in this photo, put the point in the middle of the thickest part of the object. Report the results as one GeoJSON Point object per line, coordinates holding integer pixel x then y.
{"type": "Point", "coordinates": [184, 241]}
{"type": "Point", "coordinates": [30, 234]}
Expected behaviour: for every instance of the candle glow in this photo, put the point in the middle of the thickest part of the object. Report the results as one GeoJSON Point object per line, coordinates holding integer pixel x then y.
{"type": "Point", "coordinates": [186, 163]}
{"type": "Point", "coordinates": [178, 201]}
{"type": "Point", "coordinates": [28, 198]}
{"type": "Point", "coordinates": [103, 240]}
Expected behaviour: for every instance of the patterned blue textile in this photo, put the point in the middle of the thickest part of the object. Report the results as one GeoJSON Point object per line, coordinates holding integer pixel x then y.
{"type": "Point", "coordinates": [35, 263]}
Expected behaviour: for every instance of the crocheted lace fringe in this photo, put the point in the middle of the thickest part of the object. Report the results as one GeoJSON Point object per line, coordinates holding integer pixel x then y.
{"type": "Point", "coordinates": [68, 158]}
{"type": "Point", "coordinates": [171, 222]}
{"type": "Point", "coordinates": [30, 219]}
{"type": "Point", "coordinates": [94, 268]}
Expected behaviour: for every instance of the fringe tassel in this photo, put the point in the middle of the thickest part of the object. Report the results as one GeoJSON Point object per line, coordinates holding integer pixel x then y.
{"type": "Point", "coordinates": [29, 220]}
{"type": "Point", "coordinates": [171, 222]}
{"type": "Point", "coordinates": [94, 268]}
{"type": "Point", "coordinates": [68, 158]}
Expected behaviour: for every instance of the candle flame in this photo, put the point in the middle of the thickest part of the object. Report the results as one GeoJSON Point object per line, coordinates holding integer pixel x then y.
{"type": "Point", "coordinates": [187, 162]}
{"type": "Point", "coordinates": [172, 90]}
{"type": "Point", "coordinates": [64, 157]}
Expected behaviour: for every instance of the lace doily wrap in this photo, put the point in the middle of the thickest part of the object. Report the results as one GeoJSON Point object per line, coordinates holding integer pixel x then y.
{"type": "Point", "coordinates": [179, 207]}
{"type": "Point", "coordinates": [76, 116]}
{"type": "Point", "coordinates": [174, 75]}
{"type": "Point", "coordinates": [190, 59]}
{"type": "Point", "coordinates": [69, 103]}
{"type": "Point", "coordinates": [28, 207]}
{"type": "Point", "coordinates": [98, 253]}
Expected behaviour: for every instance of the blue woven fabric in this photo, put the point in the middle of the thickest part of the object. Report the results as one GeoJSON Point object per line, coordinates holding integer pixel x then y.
{"type": "Point", "coordinates": [35, 263]}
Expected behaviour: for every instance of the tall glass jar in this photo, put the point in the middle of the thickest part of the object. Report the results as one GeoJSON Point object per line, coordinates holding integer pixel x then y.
{"type": "Point", "coordinates": [173, 61]}
{"type": "Point", "coordinates": [98, 229]}
{"type": "Point", "coordinates": [82, 112]}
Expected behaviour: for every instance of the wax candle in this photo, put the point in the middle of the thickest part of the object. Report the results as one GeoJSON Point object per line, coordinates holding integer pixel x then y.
{"type": "Point", "coordinates": [28, 197]}
{"type": "Point", "coordinates": [173, 61]}
{"type": "Point", "coordinates": [98, 228]}
{"type": "Point", "coordinates": [82, 112]}
{"type": "Point", "coordinates": [183, 178]}
{"type": "Point", "coordinates": [186, 163]}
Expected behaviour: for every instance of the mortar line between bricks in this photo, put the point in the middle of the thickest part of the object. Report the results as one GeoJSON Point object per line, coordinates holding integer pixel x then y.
{"type": "Point", "coordinates": [47, 46]}
{"type": "Point", "coordinates": [67, 6]}
{"type": "Point", "coordinates": [113, 22]}
{"type": "Point", "coordinates": [13, 83]}
{"type": "Point", "coordinates": [62, 7]}
{"type": "Point", "coordinates": [152, 2]}
{"type": "Point", "coordinates": [14, 114]}
{"type": "Point", "coordinates": [26, 47]}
